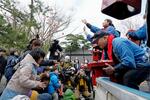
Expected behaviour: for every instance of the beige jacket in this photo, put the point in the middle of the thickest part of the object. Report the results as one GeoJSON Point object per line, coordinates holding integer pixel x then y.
{"type": "Point", "coordinates": [24, 79]}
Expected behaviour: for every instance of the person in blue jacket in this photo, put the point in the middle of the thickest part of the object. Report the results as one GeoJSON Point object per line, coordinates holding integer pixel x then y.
{"type": "Point", "coordinates": [54, 84]}
{"type": "Point", "coordinates": [107, 27]}
{"type": "Point", "coordinates": [11, 62]}
{"type": "Point", "coordinates": [131, 68]}
{"type": "Point", "coordinates": [140, 34]}
{"type": "Point", "coordinates": [140, 37]}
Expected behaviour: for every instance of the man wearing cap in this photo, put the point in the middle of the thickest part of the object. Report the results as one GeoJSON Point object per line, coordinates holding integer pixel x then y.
{"type": "Point", "coordinates": [107, 51]}
{"type": "Point", "coordinates": [131, 69]}
{"type": "Point", "coordinates": [3, 62]}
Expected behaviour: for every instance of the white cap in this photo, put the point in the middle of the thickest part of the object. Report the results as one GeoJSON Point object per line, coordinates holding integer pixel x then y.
{"type": "Point", "coordinates": [67, 58]}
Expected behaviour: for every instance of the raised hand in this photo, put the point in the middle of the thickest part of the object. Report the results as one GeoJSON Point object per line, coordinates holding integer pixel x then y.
{"type": "Point", "coordinates": [84, 21]}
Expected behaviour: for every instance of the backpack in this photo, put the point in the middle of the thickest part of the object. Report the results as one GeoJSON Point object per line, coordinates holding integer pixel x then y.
{"type": "Point", "coordinates": [9, 69]}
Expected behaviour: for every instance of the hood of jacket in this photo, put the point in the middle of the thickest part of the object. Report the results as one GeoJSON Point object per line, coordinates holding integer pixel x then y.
{"type": "Point", "coordinates": [29, 59]}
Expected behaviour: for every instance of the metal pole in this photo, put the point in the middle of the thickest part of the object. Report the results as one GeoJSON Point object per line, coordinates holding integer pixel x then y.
{"type": "Point", "coordinates": [83, 53]}
{"type": "Point", "coordinates": [70, 52]}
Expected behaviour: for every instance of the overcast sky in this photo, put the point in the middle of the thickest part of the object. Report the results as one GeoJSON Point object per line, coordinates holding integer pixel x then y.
{"type": "Point", "coordinates": [82, 9]}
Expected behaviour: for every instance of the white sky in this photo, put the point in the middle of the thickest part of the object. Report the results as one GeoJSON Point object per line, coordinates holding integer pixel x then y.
{"type": "Point", "coordinates": [82, 9]}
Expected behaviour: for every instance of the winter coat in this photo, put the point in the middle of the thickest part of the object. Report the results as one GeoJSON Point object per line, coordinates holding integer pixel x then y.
{"type": "Point", "coordinates": [11, 62]}
{"type": "Point", "coordinates": [3, 63]}
{"type": "Point", "coordinates": [24, 79]}
{"type": "Point", "coordinates": [141, 34]}
{"type": "Point", "coordinates": [54, 83]}
{"type": "Point", "coordinates": [55, 50]}
{"type": "Point", "coordinates": [69, 95]}
{"type": "Point", "coordinates": [128, 53]}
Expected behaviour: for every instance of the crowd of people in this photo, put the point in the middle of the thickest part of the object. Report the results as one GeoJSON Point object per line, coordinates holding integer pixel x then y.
{"type": "Point", "coordinates": [33, 77]}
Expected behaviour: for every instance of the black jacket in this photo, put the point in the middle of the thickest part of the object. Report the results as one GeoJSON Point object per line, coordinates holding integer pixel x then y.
{"type": "Point", "coordinates": [3, 63]}
{"type": "Point", "coordinates": [54, 48]}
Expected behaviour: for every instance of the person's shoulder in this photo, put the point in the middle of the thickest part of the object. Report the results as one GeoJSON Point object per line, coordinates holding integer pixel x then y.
{"type": "Point", "coordinates": [11, 57]}
{"type": "Point", "coordinates": [118, 41]}
{"type": "Point", "coordinates": [110, 27]}
{"type": "Point", "coordinates": [26, 65]}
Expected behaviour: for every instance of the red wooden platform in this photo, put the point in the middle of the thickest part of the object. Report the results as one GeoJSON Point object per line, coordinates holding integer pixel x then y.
{"type": "Point", "coordinates": [97, 71]}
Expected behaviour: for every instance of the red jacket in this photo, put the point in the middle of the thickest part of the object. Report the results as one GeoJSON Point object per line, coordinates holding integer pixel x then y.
{"type": "Point", "coordinates": [109, 48]}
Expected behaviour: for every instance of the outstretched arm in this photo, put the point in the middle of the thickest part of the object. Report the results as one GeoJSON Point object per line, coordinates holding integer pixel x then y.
{"type": "Point", "coordinates": [92, 28]}
{"type": "Point", "coordinates": [88, 36]}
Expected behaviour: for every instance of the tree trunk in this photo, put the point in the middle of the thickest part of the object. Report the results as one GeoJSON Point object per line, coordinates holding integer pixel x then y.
{"type": "Point", "coordinates": [31, 17]}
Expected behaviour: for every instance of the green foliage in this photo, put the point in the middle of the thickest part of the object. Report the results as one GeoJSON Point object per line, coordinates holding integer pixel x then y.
{"type": "Point", "coordinates": [16, 32]}
{"type": "Point", "coordinates": [9, 37]}
{"type": "Point", "coordinates": [17, 26]}
{"type": "Point", "coordinates": [74, 42]}
{"type": "Point", "coordinates": [46, 47]}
